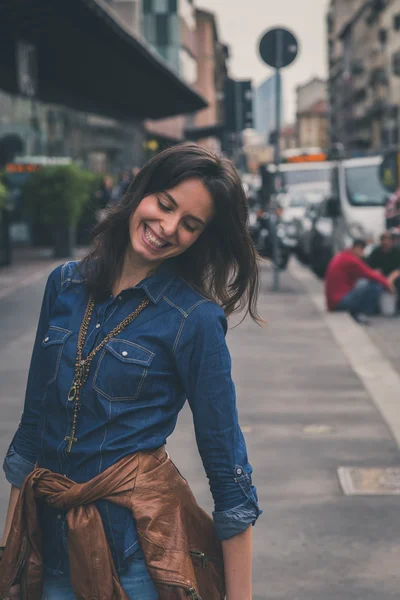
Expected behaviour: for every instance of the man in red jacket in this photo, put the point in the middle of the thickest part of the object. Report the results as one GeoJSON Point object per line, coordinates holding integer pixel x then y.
{"type": "Point", "coordinates": [352, 286]}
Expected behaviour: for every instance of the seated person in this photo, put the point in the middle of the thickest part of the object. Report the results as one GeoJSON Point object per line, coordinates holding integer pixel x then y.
{"type": "Point", "coordinates": [386, 258]}
{"type": "Point", "coordinates": [351, 285]}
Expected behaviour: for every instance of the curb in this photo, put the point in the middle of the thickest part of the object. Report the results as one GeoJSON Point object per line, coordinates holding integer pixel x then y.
{"type": "Point", "coordinates": [376, 373]}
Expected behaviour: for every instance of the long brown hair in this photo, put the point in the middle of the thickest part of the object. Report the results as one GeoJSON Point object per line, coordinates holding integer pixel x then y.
{"type": "Point", "coordinates": [222, 264]}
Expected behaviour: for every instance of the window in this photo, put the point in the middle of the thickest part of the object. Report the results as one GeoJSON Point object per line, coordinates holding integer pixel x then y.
{"type": "Point", "coordinates": [172, 6]}
{"type": "Point", "coordinates": [147, 7]}
{"type": "Point", "coordinates": [162, 30]}
{"type": "Point", "coordinates": [396, 22]}
{"type": "Point", "coordinates": [364, 187]}
{"type": "Point", "coordinates": [160, 7]}
{"type": "Point", "coordinates": [382, 36]}
{"type": "Point", "coordinates": [396, 63]}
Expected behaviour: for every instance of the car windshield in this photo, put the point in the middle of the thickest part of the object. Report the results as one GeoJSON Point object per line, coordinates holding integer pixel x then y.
{"type": "Point", "coordinates": [363, 186]}
{"type": "Point", "coordinates": [297, 177]}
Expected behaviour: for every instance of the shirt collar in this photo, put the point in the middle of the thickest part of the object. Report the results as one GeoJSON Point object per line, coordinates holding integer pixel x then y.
{"type": "Point", "coordinates": [157, 284]}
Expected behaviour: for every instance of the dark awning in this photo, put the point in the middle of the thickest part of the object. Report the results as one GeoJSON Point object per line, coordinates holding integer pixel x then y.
{"type": "Point", "coordinates": [88, 60]}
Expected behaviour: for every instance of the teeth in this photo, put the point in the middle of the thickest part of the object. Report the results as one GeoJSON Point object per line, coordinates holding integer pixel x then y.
{"type": "Point", "coordinates": [152, 239]}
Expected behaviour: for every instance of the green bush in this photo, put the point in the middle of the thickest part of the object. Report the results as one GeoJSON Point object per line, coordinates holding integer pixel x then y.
{"type": "Point", "coordinates": [58, 194]}
{"type": "Point", "coordinates": [3, 195]}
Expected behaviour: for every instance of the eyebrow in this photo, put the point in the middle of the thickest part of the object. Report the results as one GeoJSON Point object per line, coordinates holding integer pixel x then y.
{"type": "Point", "coordinates": [174, 202]}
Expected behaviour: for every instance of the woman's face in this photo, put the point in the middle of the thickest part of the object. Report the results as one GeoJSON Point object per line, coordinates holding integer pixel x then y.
{"type": "Point", "coordinates": [165, 224]}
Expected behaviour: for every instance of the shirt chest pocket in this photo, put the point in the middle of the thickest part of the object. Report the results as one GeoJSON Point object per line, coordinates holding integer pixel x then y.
{"type": "Point", "coordinates": [122, 369]}
{"type": "Point", "coordinates": [53, 344]}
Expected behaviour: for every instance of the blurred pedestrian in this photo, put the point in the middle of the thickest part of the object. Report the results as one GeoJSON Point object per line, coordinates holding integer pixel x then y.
{"type": "Point", "coordinates": [392, 211]}
{"type": "Point", "coordinates": [125, 178]}
{"type": "Point", "coordinates": [124, 337]}
{"type": "Point", "coordinates": [385, 258]}
{"type": "Point", "coordinates": [352, 286]}
{"type": "Point", "coordinates": [104, 193]}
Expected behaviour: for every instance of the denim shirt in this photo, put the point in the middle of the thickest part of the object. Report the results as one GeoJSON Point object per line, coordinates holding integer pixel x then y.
{"type": "Point", "coordinates": [137, 385]}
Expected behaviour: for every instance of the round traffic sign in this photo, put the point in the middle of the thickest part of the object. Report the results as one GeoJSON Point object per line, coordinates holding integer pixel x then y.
{"type": "Point", "coordinates": [389, 171]}
{"type": "Point", "coordinates": [278, 48]}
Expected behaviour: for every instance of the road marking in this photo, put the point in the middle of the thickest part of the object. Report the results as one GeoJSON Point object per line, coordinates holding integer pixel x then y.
{"type": "Point", "coordinates": [376, 373]}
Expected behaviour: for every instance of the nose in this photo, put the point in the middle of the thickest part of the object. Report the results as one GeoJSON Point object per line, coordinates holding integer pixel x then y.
{"type": "Point", "coordinates": [169, 225]}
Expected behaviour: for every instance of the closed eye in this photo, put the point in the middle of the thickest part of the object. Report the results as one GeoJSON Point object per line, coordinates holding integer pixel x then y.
{"type": "Point", "coordinates": [163, 206]}
{"type": "Point", "coordinates": [189, 227]}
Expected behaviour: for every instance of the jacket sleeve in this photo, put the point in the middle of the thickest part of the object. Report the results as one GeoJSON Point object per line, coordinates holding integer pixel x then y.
{"type": "Point", "coordinates": [21, 455]}
{"type": "Point", "coordinates": [361, 269]}
{"type": "Point", "coordinates": [204, 367]}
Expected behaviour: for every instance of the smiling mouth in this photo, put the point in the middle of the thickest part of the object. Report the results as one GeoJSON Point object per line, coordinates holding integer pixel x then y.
{"type": "Point", "coordinates": [154, 240]}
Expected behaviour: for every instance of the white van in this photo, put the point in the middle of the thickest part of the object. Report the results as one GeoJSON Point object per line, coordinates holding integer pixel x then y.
{"type": "Point", "coordinates": [300, 173]}
{"type": "Point", "coordinates": [358, 201]}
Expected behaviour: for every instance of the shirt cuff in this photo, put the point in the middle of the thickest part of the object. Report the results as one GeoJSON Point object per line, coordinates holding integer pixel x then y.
{"type": "Point", "coordinates": [229, 523]}
{"type": "Point", "coordinates": [16, 468]}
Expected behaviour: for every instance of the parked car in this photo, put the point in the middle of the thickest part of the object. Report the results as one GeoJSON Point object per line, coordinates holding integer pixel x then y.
{"type": "Point", "coordinates": [263, 227]}
{"type": "Point", "coordinates": [295, 205]}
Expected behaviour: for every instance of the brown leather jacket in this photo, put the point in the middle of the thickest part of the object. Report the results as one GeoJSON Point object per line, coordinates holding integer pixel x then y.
{"type": "Point", "coordinates": [182, 553]}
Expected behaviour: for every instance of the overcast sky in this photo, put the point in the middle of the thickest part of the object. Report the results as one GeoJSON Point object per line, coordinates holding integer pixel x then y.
{"type": "Point", "coordinates": [242, 22]}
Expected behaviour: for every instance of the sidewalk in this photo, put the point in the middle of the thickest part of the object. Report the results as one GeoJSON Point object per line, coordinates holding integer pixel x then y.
{"type": "Point", "coordinates": [305, 412]}
{"type": "Point", "coordinates": [28, 266]}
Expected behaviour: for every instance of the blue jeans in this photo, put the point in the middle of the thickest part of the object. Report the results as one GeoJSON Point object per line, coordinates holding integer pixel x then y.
{"type": "Point", "coordinates": [363, 298]}
{"type": "Point", "coordinates": [136, 582]}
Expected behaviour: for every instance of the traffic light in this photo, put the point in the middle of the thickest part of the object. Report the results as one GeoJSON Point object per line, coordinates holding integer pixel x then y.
{"type": "Point", "coordinates": [238, 105]}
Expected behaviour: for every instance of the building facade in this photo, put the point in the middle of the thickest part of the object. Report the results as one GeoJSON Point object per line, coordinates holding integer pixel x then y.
{"type": "Point", "coordinates": [212, 73]}
{"type": "Point", "coordinates": [312, 114]}
{"type": "Point", "coordinates": [364, 74]}
{"type": "Point", "coordinates": [169, 26]}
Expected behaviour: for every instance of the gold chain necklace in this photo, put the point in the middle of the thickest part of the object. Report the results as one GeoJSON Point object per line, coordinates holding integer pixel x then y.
{"type": "Point", "coordinates": [82, 366]}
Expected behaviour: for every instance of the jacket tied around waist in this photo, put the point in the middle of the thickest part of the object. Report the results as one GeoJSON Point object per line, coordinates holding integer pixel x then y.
{"type": "Point", "coordinates": [182, 552]}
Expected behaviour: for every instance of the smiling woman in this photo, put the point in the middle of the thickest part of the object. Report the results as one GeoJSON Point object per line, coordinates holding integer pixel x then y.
{"type": "Point", "coordinates": [124, 338]}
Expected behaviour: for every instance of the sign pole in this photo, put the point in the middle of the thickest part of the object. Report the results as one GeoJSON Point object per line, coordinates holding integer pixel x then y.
{"type": "Point", "coordinates": [278, 104]}
{"type": "Point", "coordinates": [278, 48]}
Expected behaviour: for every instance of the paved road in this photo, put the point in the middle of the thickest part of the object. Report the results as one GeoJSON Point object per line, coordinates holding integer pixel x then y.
{"type": "Point", "coordinates": [312, 543]}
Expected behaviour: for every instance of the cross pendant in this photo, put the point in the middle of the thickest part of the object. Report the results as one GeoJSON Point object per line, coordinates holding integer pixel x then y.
{"type": "Point", "coordinates": [71, 440]}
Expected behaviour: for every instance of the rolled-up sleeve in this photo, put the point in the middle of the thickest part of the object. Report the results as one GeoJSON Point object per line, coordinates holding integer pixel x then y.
{"type": "Point", "coordinates": [204, 366]}
{"type": "Point", "coordinates": [16, 468]}
{"type": "Point", "coordinates": [21, 455]}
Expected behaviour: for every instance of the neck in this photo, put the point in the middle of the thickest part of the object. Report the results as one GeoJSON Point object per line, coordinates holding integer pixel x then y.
{"type": "Point", "coordinates": [133, 271]}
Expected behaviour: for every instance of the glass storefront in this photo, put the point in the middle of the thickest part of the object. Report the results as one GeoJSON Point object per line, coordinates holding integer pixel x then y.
{"type": "Point", "coordinates": [32, 128]}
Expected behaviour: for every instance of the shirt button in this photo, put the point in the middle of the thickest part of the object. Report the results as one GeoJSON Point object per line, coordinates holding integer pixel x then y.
{"type": "Point", "coordinates": [119, 297]}
{"type": "Point", "coordinates": [239, 471]}
{"type": "Point", "coordinates": [98, 325]}
{"type": "Point", "coordinates": [124, 353]}
{"type": "Point", "coordinates": [46, 339]}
